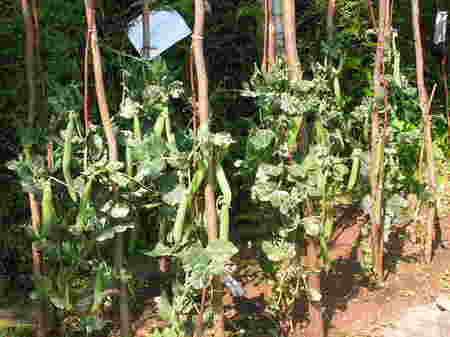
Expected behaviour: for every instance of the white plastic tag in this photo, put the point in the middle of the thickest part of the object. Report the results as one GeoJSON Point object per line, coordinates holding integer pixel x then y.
{"type": "Point", "coordinates": [166, 29]}
{"type": "Point", "coordinates": [440, 27]}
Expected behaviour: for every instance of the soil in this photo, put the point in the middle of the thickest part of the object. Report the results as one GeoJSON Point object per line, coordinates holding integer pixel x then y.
{"type": "Point", "coordinates": [353, 305]}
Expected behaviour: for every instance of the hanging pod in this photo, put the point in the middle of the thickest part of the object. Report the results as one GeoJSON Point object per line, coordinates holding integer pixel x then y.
{"type": "Point", "coordinates": [224, 211]}
{"type": "Point", "coordinates": [48, 209]}
{"type": "Point", "coordinates": [84, 203]}
{"type": "Point", "coordinates": [354, 173]}
{"type": "Point", "coordinates": [187, 199]}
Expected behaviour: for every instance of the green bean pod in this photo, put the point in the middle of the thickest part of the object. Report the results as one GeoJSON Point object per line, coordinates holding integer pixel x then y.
{"type": "Point", "coordinates": [84, 203]}
{"type": "Point", "coordinates": [98, 291]}
{"type": "Point", "coordinates": [67, 157]}
{"type": "Point", "coordinates": [293, 134]}
{"type": "Point", "coordinates": [137, 128]}
{"type": "Point", "coordinates": [129, 160]}
{"type": "Point", "coordinates": [324, 252]}
{"type": "Point", "coordinates": [169, 132]}
{"type": "Point", "coordinates": [48, 209]}
{"type": "Point", "coordinates": [158, 128]}
{"type": "Point", "coordinates": [226, 192]}
{"type": "Point", "coordinates": [179, 220]}
{"type": "Point", "coordinates": [185, 203]}
{"type": "Point", "coordinates": [354, 172]}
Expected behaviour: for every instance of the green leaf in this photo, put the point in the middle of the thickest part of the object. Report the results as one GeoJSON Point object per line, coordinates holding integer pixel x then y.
{"type": "Point", "coordinates": [120, 210]}
{"type": "Point", "coordinates": [187, 256]}
{"type": "Point", "coordinates": [278, 198]}
{"type": "Point", "coordinates": [164, 308]}
{"type": "Point", "coordinates": [58, 301]}
{"type": "Point", "coordinates": [312, 225]}
{"type": "Point", "coordinates": [160, 250]}
{"type": "Point", "coordinates": [296, 171]}
{"type": "Point", "coordinates": [396, 204]}
{"type": "Point", "coordinates": [150, 169]}
{"type": "Point", "coordinates": [120, 179]}
{"type": "Point", "coordinates": [203, 131]}
{"type": "Point", "coordinates": [279, 251]}
{"type": "Point", "coordinates": [262, 139]}
{"type": "Point", "coordinates": [265, 171]}
{"type": "Point", "coordinates": [221, 248]}
{"type": "Point", "coordinates": [263, 190]}
{"type": "Point", "coordinates": [114, 166]}
{"type": "Point", "coordinates": [111, 232]}
{"type": "Point", "coordinates": [314, 295]}
{"type": "Point", "coordinates": [98, 291]}
{"type": "Point", "coordinates": [175, 196]}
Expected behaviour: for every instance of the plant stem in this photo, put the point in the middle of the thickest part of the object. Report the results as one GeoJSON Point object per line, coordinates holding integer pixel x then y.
{"type": "Point", "coordinates": [31, 64]}
{"type": "Point", "coordinates": [210, 188]}
{"type": "Point", "coordinates": [427, 124]}
{"type": "Point", "coordinates": [330, 19]}
{"type": "Point", "coordinates": [445, 82]}
{"type": "Point", "coordinates": [30, 61]}
{"type": "Point", "coordinates": [290, 43]}
{"type": "Point", "coordinates": [269, 38]}
{"type": "Point", "coordinates": [316, 327]}
{"type": "Point", "coordinates": [377, 149]}
{"type": "Point", "coordinates": [146, 29]}
{"type": "Point", "coordinates": [113, 156]}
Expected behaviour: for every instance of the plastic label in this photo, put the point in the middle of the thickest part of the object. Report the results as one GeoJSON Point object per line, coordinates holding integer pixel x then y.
{"type": "Point", "coordinates": [166, 29]}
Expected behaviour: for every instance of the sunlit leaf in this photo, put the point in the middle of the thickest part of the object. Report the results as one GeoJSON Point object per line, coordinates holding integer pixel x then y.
{"type": "Point", "coordinates": [279, 251]}
{"type": "Point", "coordinates": [315, 295]}
{"type": "Point", "coordinates": [221, 249]}
{"type": "Point", "coordinates": [120, 179]}
{"type": "Point", "coordinates": [114, 166]}
{"type": "Point", "coordinates": [312, 225]}
{"type": "Point", "coordinates": [160, 250]}
{"type": "Point", "coordinates": [262, 139]}
{"type": "Point", "coordinates": [175, 196]}
{"type": "Point", "coordinates": [277, 198]}
{"type": "Point", "coordinates": [194, 258]}
{"type": "Point", "coordinates": [150, 169]}
{"type": "Point", "coordinates": [120, 210]}
{"type": "Point", "coordinates": [111, 232]}
{"type": "Point", "coordinates": [58, 301]}
{"type": "Point", "coordinates": [164, 307]}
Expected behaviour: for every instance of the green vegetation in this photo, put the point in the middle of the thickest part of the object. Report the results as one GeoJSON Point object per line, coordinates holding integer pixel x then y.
{"type": "Point", "coordinates": [281, 154]}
